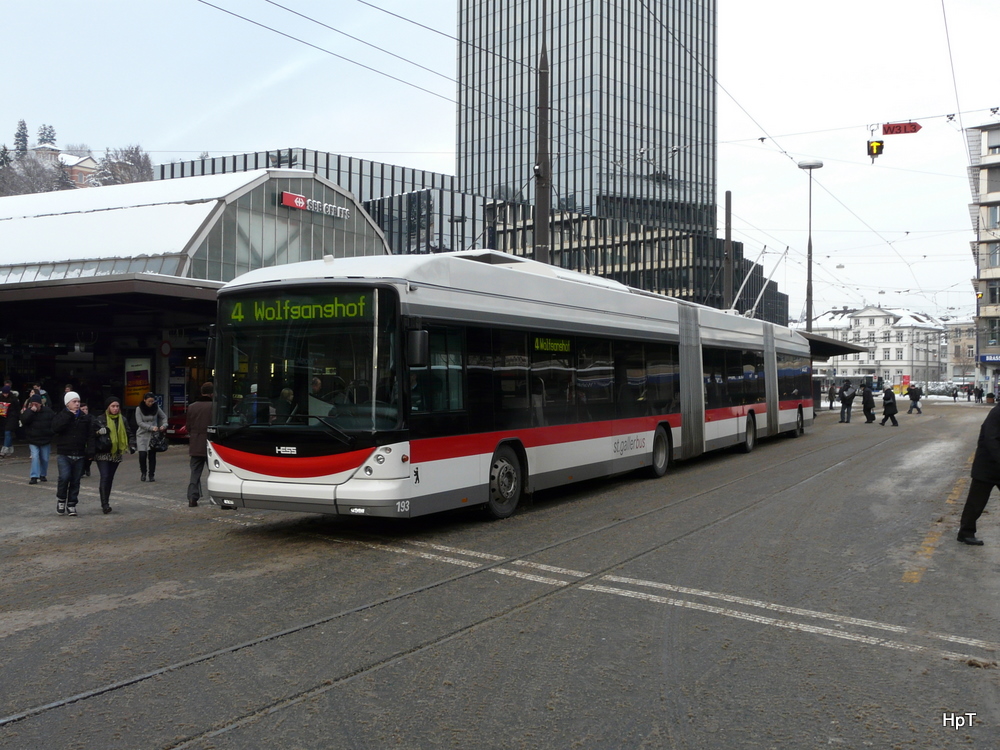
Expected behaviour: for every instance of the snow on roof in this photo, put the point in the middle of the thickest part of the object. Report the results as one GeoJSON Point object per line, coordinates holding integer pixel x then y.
{"type": "Point", "coordinates": [117, 221]}
{"type": "Point", "coordinates": [71, 160]}
{"type": "Point", "coordinates": [901, 318]}
{"type": "Point", "coordinates": [184, 190]}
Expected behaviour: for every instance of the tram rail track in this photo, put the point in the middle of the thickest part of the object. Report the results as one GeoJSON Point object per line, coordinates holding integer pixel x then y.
{"type": "Point", "coordinates": [491, 564]}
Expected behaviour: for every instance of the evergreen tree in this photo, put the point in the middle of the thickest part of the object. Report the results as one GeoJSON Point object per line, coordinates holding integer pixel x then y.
{"type": "Point", "coordinates": [21, 140]}
{"type": "Point", "coordinates": [46, 135]}
{"type": "Point", "coordinates": [62, 179]}
{"type": "Point", "coordinates": [121, 166]}
{"type": "Point", "coordinates": [5, 157]}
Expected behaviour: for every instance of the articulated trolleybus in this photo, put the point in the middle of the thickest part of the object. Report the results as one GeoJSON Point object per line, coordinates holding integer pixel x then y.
{"type": "Point", "coordinates": [404, 385]}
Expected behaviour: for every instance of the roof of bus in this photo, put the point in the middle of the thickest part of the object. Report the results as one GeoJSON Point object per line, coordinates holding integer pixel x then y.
{"type": "Point", "coordinates": [446, 283]}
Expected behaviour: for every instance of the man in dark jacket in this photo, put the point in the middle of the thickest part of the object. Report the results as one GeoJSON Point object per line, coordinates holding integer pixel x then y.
{"type": "Point", "coordinates": [199, 416]}
{"type": "Point", "coordinates": [847, 394]}
{"type": "Point", "coordinates": [37, 420]}
{"type": "Point", "coordinates": [868, 403]}
{"type": "Point", "coordinates": [985, 476]}
{"type": "Point", "coordinates": [914, 393]}
{"type": "Point", "coordinates": [72, 429]}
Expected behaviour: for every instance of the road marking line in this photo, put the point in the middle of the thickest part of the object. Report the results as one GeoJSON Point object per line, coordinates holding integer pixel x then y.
{"type": "Point", "coordinates": [786, 624]}
{"type": "Point", "coordinates": [729, 598]}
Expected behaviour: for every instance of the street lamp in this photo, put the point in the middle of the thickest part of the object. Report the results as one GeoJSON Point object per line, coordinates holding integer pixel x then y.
{"type": "Point", "coordinates": [809, 165]}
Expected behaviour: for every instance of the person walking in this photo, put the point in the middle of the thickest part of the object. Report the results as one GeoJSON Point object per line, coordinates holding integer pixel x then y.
{"type": "Point", "coordinates": [149, 418]}
{"type": "Point", "coordinates": [72, 429]}
{"type": "Point", "coordinates": [37, 420]}
{"type": "Point", "coordinates": [10, 415]}
{"type": "Point", "coordinates": [889, 408]}
{"type": "Point", "coordinates": [833, 395]}
{"type": "Point", "coordinates": [914, 393]}
{"type": "Point", "coordinates": [199, 416]}
{"type": "Point", "coordinates": [985, 476]}
{"type": "Point", "coordinates": [868, 403]}
{"type": "Point", "coordinates": [847, 394]}
{"type": "Point", "coordinates": [112, 437]}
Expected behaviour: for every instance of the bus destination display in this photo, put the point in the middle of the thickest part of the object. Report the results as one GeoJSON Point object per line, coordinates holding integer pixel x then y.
{"type": "Point", "coordinates": [295, 308]}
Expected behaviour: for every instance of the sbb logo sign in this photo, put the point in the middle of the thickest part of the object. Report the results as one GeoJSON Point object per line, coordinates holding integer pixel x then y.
{"type": "Point", "coordinates": [293, 201]}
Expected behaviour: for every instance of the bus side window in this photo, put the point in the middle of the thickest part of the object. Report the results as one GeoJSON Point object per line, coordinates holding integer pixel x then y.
{"type": "Point", "coordinates": [510, 380]}
{"type": "Point", "coordinates": [441, 385]}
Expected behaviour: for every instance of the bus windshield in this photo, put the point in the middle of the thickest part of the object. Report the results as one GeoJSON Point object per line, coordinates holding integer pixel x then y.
{"type": "Point", "coordinates": [322, 359]}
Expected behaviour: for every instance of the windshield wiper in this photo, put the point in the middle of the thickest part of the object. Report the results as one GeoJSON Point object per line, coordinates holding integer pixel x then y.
{"type": "Point", "coordinates": [336, 432]}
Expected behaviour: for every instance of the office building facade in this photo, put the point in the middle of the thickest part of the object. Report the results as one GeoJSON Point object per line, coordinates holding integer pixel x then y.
{"type": "Point", "coordinates": [632, 106]}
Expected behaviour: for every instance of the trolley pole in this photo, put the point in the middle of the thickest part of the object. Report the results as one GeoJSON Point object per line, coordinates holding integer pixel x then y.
{"type": "Point", "coordinates": [727, 275]}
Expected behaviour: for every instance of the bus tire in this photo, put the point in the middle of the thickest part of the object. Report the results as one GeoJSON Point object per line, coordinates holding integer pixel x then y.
{"type": "Point", "coordinates": [750, 436]}
{"type": "Point", "coordinates": [506, 483]}
{"type": "Point", "coordinates": [660, 460]}
{"type": "Point", "coordinates": [800, 425]}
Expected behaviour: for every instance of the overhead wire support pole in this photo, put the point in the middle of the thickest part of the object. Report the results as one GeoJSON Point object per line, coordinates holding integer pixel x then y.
{"type": "Point", "coordinates": [543, 164]}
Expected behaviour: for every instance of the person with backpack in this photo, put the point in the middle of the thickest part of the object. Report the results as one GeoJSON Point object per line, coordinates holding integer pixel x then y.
{"type": "Point", "coordinates": [847, 394]}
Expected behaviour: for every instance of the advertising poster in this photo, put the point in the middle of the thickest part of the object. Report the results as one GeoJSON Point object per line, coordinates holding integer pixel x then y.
{"type": "Point", "coordinates": [138, 378]}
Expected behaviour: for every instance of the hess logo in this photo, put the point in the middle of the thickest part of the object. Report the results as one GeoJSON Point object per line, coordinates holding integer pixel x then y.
{"type": "Point", "coordinates": [285, 450]}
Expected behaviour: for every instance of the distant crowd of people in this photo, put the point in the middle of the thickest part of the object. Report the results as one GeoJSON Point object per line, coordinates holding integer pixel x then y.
{"type": "Point", "coordinates": [82, 439]}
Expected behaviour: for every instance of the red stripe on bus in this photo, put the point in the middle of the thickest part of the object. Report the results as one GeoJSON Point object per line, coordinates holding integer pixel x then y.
{"type": "Point", "coordinates": [735, 412]}
{"type": "Point", "coordinates": [438, 449]}
{"type": "Point", "coordinates": [293, 467]}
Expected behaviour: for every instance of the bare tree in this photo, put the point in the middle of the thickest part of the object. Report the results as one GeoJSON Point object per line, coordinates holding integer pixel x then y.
{"type": "Point", "coordinates": [121, 166]}
{"type": "Point", "coordinates": [28, 175]}
{"type": "Point", "coordinates": [78, 149]}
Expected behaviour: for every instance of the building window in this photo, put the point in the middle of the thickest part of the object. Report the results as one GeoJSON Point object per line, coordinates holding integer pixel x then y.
{"type": "Point", "coordinates": [899, 336]}
{"type": "Point", "coordinates": [885, 354]}
{"type": "Point", "coordinates": [993, 331]}
{"type": "Point", "coordinates": [871, 321]}
{"type": "Point", "coordinates": [993, 253]}
{"type": "Point", "coordinates": [871, 336]}
{"type": "Point", "coordinates": [993, 217]}
{"type": "Point", "coordinates": [856, 337]}
{"type": "Point", "coordinates": [971, 352]}
{"type": "Point", "coordinates": [885, 335]}
{"type": "Point", "coordinates": [899, 354]}
{"type": "Point", "coordinates": [993, 292]}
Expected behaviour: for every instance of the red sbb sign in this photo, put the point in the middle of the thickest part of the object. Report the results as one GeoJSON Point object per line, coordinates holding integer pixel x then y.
{"type": "Point", "coordinates": [293, 200]}
{"type": "Point", "coordinates": [900, 128]}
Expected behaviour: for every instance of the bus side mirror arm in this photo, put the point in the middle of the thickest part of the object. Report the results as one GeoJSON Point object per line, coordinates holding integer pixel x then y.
{"type": "Point", "coordinates": [210, 350]}
{"type": "Point", "coordinates": [417, 348]}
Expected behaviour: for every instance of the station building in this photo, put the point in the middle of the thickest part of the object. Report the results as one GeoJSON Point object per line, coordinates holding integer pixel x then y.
{"type": "Point", "coordinates": [112, 290]}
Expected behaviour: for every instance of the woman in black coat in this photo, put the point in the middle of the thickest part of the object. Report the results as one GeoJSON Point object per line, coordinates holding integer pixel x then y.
{"type": "Point", "coordinates": [889, 409]}
{"type": "Point", "coordinates": [113, 436]}
{"type": "Point", "coordinates": [37, 421]}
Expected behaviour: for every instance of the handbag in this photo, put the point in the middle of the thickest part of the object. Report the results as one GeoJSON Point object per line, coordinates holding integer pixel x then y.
{"type": "Point", "coordinates": [102, 443]}
{"type": "Point", "coordinates": [158, 442]}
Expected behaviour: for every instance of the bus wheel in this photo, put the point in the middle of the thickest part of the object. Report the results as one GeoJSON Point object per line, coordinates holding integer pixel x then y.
{"type": "Point", "coordinates": [661, 453]}
{"type": "Point", "coordinates": [750, 437]}
{"type": "Point", "coordinates": [506, 483]}
{"type": "Point", "coordinates": [800, 426]}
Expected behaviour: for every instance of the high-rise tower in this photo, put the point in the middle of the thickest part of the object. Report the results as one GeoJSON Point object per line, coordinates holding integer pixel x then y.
{"type": "Point", "coordinates": [632, 106]}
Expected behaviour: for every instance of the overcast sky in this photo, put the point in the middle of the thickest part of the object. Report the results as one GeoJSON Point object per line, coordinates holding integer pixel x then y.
{"type": "Point", "coordinates": [811, 79]}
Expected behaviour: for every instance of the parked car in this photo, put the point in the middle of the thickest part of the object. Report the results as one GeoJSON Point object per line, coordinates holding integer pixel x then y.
{"type": "Point", "coordinates": [177, 427]}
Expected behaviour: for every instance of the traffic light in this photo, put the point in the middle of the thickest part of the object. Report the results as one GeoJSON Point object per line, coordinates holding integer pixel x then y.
{"type": "Point", "coordinates": [875, 148]}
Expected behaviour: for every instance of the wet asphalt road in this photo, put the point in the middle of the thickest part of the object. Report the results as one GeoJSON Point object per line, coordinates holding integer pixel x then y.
{"type": "Point", "coordinates": [810, 594]}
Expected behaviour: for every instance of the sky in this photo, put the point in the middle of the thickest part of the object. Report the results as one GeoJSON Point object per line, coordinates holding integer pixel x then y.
{"type": "Point", "coordinates": [795, 81]}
